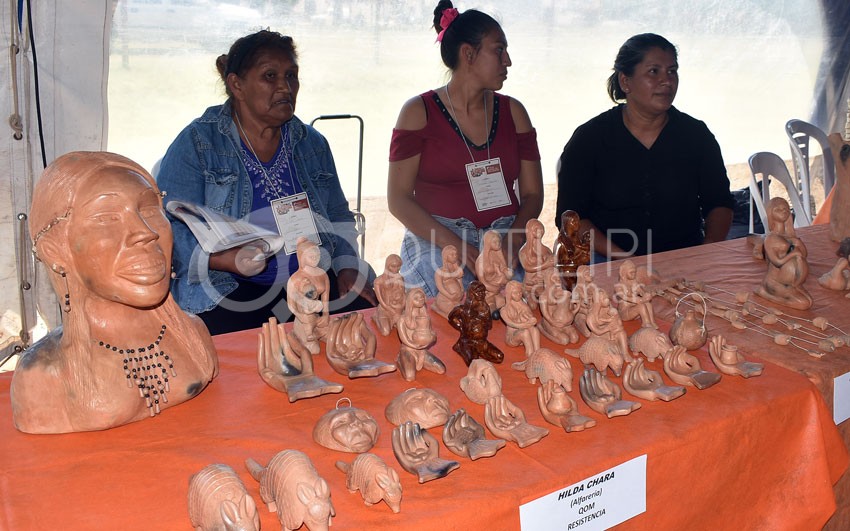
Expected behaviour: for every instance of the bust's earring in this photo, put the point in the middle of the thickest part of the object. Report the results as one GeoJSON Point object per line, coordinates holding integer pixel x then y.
{"type": "Point", "coordinates": [66, 306]}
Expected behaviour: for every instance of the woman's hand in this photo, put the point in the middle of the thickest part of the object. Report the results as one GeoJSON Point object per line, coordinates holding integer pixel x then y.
{"type": "Point", "coordinates": [347, 280]}
{"type": "Point", "coordinates": [247, 260]}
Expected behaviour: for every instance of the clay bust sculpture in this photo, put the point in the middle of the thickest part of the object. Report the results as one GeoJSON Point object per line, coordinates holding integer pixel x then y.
{"type": "Point", "coordinates": [99, 227]}
{"type": "Point", "coordinates": [449, 281]}
{"type": "Point", "coordinates": [347, 429]}
{"type": "Point", "coordinates": [571, 249]}
{"type": "Point", "coordinates": [473, 320]}
{"type": "Point", "coordinates": [390, 291]}
{"type": "Point", "coordinates": [416, 336]}
{"type": "Point", "coordinates": [537, 261]}
{"type": "Point", "coordinates": [351, 346]}
{"type": "Point", "coordinates": [557, 311]}
{"type": "Point", "coordinates": [492, 269]}
{"type": "Point", "coordinates": [520, 322]}
{"type": "Point", "coordinates": [786, 256]}
{"type": "Point", "coordinates": [287, 366]}
{"type": "Point", "coordinates": [633, 300]}
{"type": "Point", "coordinates": [464, 436]}
{"type": "Point", "coordinates": [426, 407]}
{"type": "Point", "coordinates": [481, 382]}
{"type": "Point", "coordinates": [308, 291]}
{"type": "Point", "coordinates": [418, 452]}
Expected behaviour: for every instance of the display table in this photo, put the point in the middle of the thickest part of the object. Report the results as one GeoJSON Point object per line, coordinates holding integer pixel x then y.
{"type": "Point", "coordinates": [729, 265]}
{"type": "Point", "coordinates": [744, 454]}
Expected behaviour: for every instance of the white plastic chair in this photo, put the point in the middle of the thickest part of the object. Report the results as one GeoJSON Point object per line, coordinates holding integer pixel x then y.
{"type": "Point", "coordinates": [770, 166]}
{"type": "Point", "coordinates": [800, 136]}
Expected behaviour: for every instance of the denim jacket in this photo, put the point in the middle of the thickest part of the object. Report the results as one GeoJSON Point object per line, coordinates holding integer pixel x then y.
{"type": "Point", "coordinates": [204, 166]}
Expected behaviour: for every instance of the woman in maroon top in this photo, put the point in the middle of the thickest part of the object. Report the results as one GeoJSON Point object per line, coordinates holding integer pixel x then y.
{"type": "Point", "coordinates": [463, 158]}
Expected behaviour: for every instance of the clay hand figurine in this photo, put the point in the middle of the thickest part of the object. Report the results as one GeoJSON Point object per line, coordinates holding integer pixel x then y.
{"type": "Point", "coordinates": [559, 409]}
{"type": "Point", "coordinates": [506, 421]}
{"type": "Point", "coordinates": [307, 294]}
{"type": "Point", "coordinates": [603, 395]}
{"type": "Point", "coordinates": [481, 382]}
{"type": "Point", "coordinates": [473, 320]}
{"type": "Point", "coordinates": [520, 322]}
{"type": "Point", "coordinates": [492, 269]}
{"type": "Point", "coordinates": [545, 365]}
{"type": "Point", "coordinates": [390, 291]}
{"type": "Point", "coordinates": [416, 335]}
{"type": "Point", "coordinates": [685, 369]}
{"type": "Point", "coordinates": [374, 479]}
{"type": "Point", "coordinates": [571, 249]}
{"type": "Point", "coordinates": [218, 500]}
{"type": "Point", "coordinates": [418, 452]}
{"type": "Point", "coordinates": [633, 300]}
{"type": "Point", "coordinates": [729, 360]}
{"type": "Point", "coordinates": [350, 348]}
{"type": "Point", "coordinates": [291, 487]}
{"type": "Point", "coordinates": [426, 407]}
{"type": "Point", "coordinates": [287, 366]}
{"type": "Point", "coordinates": [117, 311]}
{"type": "Point", "coordinates": [557, 311]}
{"type": "Point", "coordinates": [347, 429]}
{"type": "Point", "coordinates": [449, 281]}
{"type": "Point", "coordinates": [647, 384]}
{"type": "Point", "coordinates": [465, 437]}
{"type": "Point", "coordinates": [786, 256]}
{"type": "Point", "coordinates": [537, 261]}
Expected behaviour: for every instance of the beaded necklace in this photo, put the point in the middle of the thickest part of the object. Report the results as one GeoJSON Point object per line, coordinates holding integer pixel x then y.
{"type": "Point", "coordinates": [143, 367]}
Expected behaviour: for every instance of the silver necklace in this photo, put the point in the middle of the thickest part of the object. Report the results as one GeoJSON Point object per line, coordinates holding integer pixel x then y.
{"type": "Point", "coordinates": [454, 117]}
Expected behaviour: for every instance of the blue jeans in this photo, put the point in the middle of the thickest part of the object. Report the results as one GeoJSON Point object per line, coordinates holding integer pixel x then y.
{"type": "Point", "coordinates": [421, 258]}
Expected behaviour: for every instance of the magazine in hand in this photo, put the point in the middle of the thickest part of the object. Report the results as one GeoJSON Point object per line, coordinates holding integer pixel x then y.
{"type": "Point", "coordinates": [217, 232]}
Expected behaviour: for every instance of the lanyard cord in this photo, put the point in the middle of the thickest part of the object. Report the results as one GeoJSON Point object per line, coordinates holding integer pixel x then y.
{"type": "Point", "coordinates": [454, 117]}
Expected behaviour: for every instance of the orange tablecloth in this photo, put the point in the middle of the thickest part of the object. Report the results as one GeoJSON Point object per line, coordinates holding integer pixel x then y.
{"type": "Point", "coordinates": [745, 454]}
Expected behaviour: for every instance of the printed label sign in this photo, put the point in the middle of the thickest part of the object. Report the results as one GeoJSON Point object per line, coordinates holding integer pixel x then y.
{"type": "Point", "coordinates": [841, 398]}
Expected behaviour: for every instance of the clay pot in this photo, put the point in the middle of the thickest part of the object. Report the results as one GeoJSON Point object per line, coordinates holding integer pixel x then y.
{"type": "Point", "coordinates": [689, 331]}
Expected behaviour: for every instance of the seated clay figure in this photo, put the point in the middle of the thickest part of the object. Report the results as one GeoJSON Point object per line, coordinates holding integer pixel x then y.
{"type": "Point", "coordinates": [536, 260]}
{"type": "Point", "coordinates": [633, 300]}
{"type": "Point", "coordinates": [98, 225]}
{"type": "Point", "coordinates": [560, 409]}
{"type": "Point", "coordinates": [350, 348]}
{"type": "Point", "coordinates": [308, 290]}
{"type": "Point", "coordinates": [557, 311]}
{"type": "Point", "coordinates": [582, 295]}
{"type": "Point", "coordinates": [418, 452]}
{"type": "Point", "coordinates": [426, 407]}
{"type": "Point", "coordinates": [684, 369]}
{"type": "Point", "coordinates": [604, 322]}
{"type": "Point", "coordinates": [390, 291]}
{"type": "Point", "coordinates": [481, 382]}
{"type": "Point", "coordinates": [416, 336]}
{"type": "Point", "coordinates": [647, 384]}
{"type": "Point", "coordinates": [507, 421]}
{"type": "Point", "coordinates": [520, 322]}
{"type": "Point", "coordinates": [465, 437]}
{"type": "Point", "coordinates": [729, 360]}
{"type": "Point", "coordinates": [449, 281]}
{"type": "Point", "coordinates": [474, 321]}
{"type": "Point", "coordinates": [492, 270]}
{"type": "Point", "coordinates": [347, 429]}
{"type": "Point", "coordinates": [571, 249]}
{"type": "Point", "coordinates": [786, 256]}
{"type": "Point", "coordinates": [603, 395]}
{"type": "Point", "coordinates": [287, 366]}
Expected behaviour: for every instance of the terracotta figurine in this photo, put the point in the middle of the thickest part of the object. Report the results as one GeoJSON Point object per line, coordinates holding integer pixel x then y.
{"type": "Point", "coordinates": [375, 480]}
{"type": "Point", "coordinates": [582, 295]}
{"type": "Point", "coordinates": [449, 281]}
{"type": "Point", "coordinates": [507, 421]}
{"type": "Point", "coordinates": [416, 336]}
{"type": "Point", "coordinates": [481, 382]}
{"type": "Point", "coordinates": [418, 452]}
{"type": "Point", "coordinates": [520, 322]}
{"type": "Point", "coordinates": [125, 350]}
{"type": "Point", "coordinates": [729, 360]}
{"type": "Point", "coordinates": [786, 256]}
{"type": "Point", "coordinates": [291, 487]}
{"type": "Point", "coordinates": [347, 429]}
{"type": "Point", "coordinates": [632, 298]}
{"type": "Point", "coordinates": [557, 311]}
{"type": "Point", "coordinates": [571, 249]}
{"type": "Point", "coordinates": [839, 212]}
{"type": "Point", "coordinates": [837, 278]}
{"type": "Point", "coordinates": [287, 366]}
{"type": "Point", "coordinates": [351, 346]}
{"type": "Point", "coordinates": [650, 342]}
{"type": "Point", "coordinates": [559, 409]}
{"type": "Point", "coordinates": [465, 437]}
{"type": "Point", "coordinates": [545, 365]}
{"type": "Point", "coordinates": [473, 320]}
{"type": "Point", "coordinates": [307, 294]}
{"type": "Point", "coordinates": [603, 395]}
{"type": "Point", "coordinates": [537, 261]}
{"type": "Point", "coordinates": [218, 500]}
{"type": "Point", "coordinates": [685, 369]}
{"type": "Point", "coordinates": [492, 269]}
{"type": "Point", "coordinates": [426, 407]}
{"type": "Point", "coordinates": [604, 322]}
{"type": "Point", "coordinates": [390, 290]}
{"type": "Point", "coordinates": [647, 384]}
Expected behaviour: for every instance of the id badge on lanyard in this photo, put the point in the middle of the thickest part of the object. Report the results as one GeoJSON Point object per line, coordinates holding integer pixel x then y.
{"type": "Point", "coordinates": [294, 219]}
{"type": "Point", "coordinates": [488, 184]}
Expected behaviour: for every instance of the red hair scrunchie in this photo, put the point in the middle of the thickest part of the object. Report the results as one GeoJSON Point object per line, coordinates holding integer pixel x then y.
{"type": "Point", "coordinates": [448, 16]}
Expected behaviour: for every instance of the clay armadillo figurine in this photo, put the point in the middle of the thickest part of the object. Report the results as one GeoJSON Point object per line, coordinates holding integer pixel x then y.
{"type": "Point", "coordinates": [601, 353]}
{"type": "Point", "coordinates": [650, 342]}
{"type": "Point", "coordinates": [291, 487]}
{"type": "Point", "coordinates": [376, 481]}
{"type": "Point", "coordinates": [218, 501]}
{"type": "Point", "coordinates": [545, 365]}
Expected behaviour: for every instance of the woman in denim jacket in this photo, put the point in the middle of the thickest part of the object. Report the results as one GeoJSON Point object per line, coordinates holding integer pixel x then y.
{"type": "Point", "coordinates": [242, 159]}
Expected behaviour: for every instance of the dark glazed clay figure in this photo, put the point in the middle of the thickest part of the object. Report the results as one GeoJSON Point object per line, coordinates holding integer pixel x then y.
{"type": "Point", "coordinates": [390, 290]}
{"type": "Point", "coordinates": [537, 261]}
{"type": "Point", "coordinates": [571, 249]}
{"type": "Point", "coordinates": [308, 290]}
{"type": "Point", "coordinates": [347, 429]}
{"type": "Point", "coordinates": [125, 350]}
{"type": "Point", "coordinates": [473, 320]}
{"type": "Point", "coordinates": [351, 346]}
